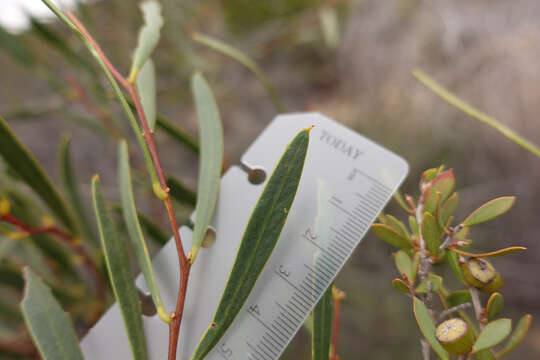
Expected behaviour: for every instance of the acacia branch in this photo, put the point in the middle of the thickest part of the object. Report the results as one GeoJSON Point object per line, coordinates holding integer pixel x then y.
{"type": "Point", "coordinates": [477, 306]}
{"type": "Point", "coordinates": [185, 266]}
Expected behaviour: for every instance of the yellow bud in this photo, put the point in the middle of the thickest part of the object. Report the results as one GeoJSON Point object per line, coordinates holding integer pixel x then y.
{"type": "Point", "coordinates": [17, 235]}
{"type": "Point", "coordinates": [5, 206]}
{"type": "Point", "coordinates": [46, 220]}
{"type": "Point", "coordinates": [77, 259]}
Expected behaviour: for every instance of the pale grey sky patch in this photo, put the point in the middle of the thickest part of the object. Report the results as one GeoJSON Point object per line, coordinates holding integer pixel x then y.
{"type": "Point", "coordinates": [13, 13]}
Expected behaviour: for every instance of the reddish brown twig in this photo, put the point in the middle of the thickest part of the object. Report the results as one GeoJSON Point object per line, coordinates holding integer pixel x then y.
{"type": "Point", "coordinates": [338, 296]}
{"type": "Point", "coordinates": [74, 243]}
{"type": "Point", "coordinates": [185, 266]}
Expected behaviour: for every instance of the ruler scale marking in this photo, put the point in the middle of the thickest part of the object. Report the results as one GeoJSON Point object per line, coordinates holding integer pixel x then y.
{"type": "Point", "coordinates": [366, 205]}
{"type": "Point", "coordinates": [317, 286]}
{"type": "Point", "coordinates": [353, 216]}
{"type": "Point", "coordinates": [299, 302]}
{"type": "Point", "coordinates": [327, 277]}
{"type": "Point", "coordinates": [292, 306]}
{"type": "Point", "coordinates": [375, 196]}
{"type": "Point", "coordinates": [350, 174]}
{"type": "Point", "coordinates": [290, 312]}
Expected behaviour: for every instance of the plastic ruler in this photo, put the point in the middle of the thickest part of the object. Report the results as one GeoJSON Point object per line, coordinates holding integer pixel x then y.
{"type": "Point", "coordinates": [347, 181]}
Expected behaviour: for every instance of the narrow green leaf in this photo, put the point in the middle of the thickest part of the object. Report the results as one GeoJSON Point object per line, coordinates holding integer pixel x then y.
{"type": "Point", "coordinates": [397, 225]}
{"type": "Point", "coordinates": [61, 16]}
{"type": "Point", "coordinates": [490, 210]}
{"type": "Point", "coordinates": [443, 183]}
{"type": "Point", "coordinates": [211, 159]}
{"type": "Point", "coordinates": [178, 134]}
{"type": "Point", "coordinates": [134, 229]}
{"type": "Point", "coordinates": [322, 327]}
{"type": "Point", "coordinates": [259, 239]}
{"type": "Point", "coordinates": [30, 171]}
{"type": "Point", "coordinates": [436, 283]}
{"type": "Point", "coordinates": [401, 202]}
{"type": "Point", "coordinates": [403, 264]}
{"type": "Point", "coordinates": [49, 326]}
{"type": "Point", "coordinates": [453, 261]}
{"type": "Point", "coordinates": [390, 236]}
{"type": "Point", "coordinates": [146, 88]}
{"type": "Point", "coordinates": [243, 59]}
{"type": "Point", "coordinates": [431, 234]}
{"type": "Point", "coordinates": [494, 306]}
{"type": "Point", "coordinates": [148, 36]}
{"type": "Point", "coordinates": [500, 252]}
{"type": "Point", "coordinates": [458, 297]}
{"type": "Point", "coordinates": [475, 113]}
{"type": "Point", "coordinates": [69, 183]}
{"type": "Point", "coordinates": [120, 274]}
{"type": "Point", "coordinates": [517, 336]}
{"type": "Point", "coordinates": [400, 285]}
{"type": "Point", "coordinates": [494, 332]}
{"type": "Point", "coordinates": [180, 191]}
{"type": "Point", "coordinates": [447, 209]}
{"type": "Point", "coordinates": [427, 327]}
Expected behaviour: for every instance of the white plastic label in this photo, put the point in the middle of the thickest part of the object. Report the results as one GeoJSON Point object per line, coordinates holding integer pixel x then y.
{"type": "Point", "coordinates": [346, 182]}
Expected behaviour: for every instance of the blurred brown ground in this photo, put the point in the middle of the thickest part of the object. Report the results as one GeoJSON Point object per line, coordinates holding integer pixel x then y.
{"type": "Point", "coordinates": [486, 51]}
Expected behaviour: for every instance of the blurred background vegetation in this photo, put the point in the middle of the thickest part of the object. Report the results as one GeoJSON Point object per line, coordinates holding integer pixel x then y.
{"type": "Point", "coordinates": [350, 59]}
